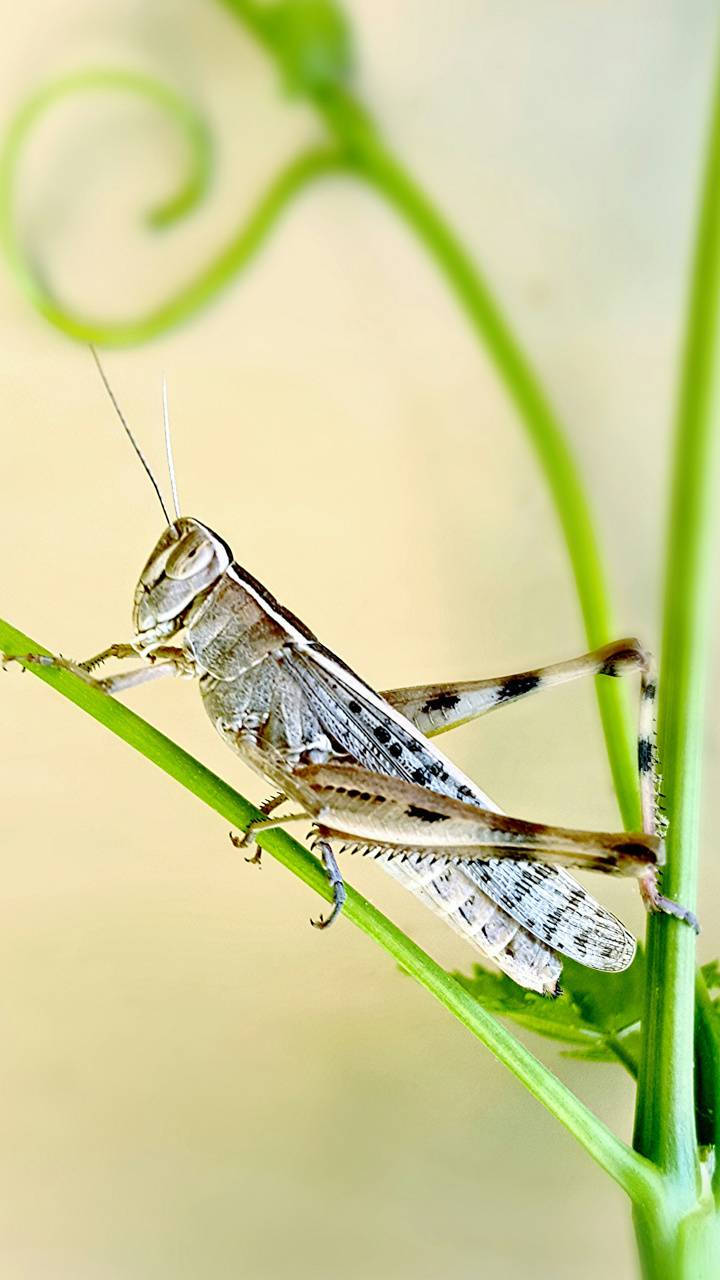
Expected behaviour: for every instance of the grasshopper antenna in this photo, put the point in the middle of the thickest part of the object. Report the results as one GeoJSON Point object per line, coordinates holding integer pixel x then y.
{"type": "Point", "coordinates": [128, 432]}
{"type": "Point", "coordinates": [168, 448]}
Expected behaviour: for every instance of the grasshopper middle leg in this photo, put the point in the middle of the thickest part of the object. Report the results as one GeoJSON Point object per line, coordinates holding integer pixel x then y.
{"type": "Point", "coordinates": [243, 841]}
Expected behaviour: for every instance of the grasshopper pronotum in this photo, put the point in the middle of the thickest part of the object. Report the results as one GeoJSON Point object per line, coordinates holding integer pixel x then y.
{"type": "Point", "coordinates": [361, 766]}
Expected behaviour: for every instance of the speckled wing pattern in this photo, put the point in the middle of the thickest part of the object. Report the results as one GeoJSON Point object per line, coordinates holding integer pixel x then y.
{"type": "Point", "coordinates": [542, 908]}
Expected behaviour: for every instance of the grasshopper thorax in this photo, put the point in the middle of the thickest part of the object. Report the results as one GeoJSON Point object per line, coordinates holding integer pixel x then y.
{"type": "Point", "coordinates": [184, 566]}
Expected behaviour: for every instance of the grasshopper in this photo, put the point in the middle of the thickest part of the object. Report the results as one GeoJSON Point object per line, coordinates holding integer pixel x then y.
{"type": "Point", "coordinates": [363, 768]}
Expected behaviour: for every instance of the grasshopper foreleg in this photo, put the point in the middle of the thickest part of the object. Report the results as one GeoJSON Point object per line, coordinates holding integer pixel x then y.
{"type": "Point", "coordinates": [166, 661]}
{"type": "Point", "coordinates": [52, 660]}
{"type": "Point", "coordinates": [119, 651]}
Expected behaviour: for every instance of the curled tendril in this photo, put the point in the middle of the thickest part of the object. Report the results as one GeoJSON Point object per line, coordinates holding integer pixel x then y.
{"type": "Point", "coordinates": [211, 278]}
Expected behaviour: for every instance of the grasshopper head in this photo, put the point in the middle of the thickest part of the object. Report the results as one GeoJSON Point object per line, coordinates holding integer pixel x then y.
{"type": "Point", "coordinates": [186, 563]}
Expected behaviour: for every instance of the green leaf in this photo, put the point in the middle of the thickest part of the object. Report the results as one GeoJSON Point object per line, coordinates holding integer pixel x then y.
{"type": "Point", "coordinates": [558, 1019]}
{"type": "Point", "coordinates": [611, 1001]}
{"type": "Point", "coordinates": [597, 1017]}
{"type": "Point", "coordinates": [711, 974]}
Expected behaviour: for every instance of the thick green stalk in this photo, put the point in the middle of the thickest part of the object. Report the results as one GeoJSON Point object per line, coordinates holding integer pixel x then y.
{"type": "Point", "coordinates": [631, 1171]}
{"type": "Point", "coordinates": [665, 1104]}
{"type": "Point", "coordinates": [677, 1241]}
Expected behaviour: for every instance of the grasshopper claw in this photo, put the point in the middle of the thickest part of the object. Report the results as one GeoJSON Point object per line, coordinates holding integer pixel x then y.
{"type": "Point", "coordinates": [337, 884]}
{"type": "Point", "coordinates": [656, 901]}
{"type": "Point", "coordinates": [242, 842]}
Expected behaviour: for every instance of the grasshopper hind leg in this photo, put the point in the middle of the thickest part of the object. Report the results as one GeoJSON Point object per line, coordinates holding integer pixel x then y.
{"type": "Point", "coordinates": [337, 885]}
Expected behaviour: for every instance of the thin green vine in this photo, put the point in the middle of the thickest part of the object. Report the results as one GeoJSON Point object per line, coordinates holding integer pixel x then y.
{"type": "Point", "coordinates": [188, 195]}
{"type": "Point", "coordinates": [315, 162]}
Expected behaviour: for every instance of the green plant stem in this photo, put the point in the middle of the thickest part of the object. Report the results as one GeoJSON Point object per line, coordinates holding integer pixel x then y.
{"type": "Point", "coordinates": [546, 437]}
{"type": "Point", "coordinates": [355, 131]}
{"type": "Point", "coordinates": [678, 1242]}
{"type": "Point", "coordinates": [664, 1129]}
{"type": "Point", "coordinates": [633, 1173]}
{"type": "Point", "coordinates": [101, 80]}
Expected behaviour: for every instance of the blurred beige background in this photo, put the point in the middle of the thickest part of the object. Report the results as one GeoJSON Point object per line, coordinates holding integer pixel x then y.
{"type": "Point", "coordinates": [194, 1082]}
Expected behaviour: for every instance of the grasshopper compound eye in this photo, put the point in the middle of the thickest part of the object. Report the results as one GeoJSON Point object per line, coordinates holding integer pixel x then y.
{"type": "Point", "coordinates": [193, 553]}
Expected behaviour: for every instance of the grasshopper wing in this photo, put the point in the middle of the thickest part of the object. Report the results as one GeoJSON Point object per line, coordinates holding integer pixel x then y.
{"type": "Point", "coordinates": [545, 900]}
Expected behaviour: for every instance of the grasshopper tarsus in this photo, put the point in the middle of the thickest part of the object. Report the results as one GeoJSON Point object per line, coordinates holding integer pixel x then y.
{"type": "Point", "coordinates": [113, 651]}
{"type": "Point", "coordinates": [337, 885]}
{"type": "Point", "coordinates": [657, 902]}
{"type": "Point", "coordinates": [242, 842]}
{"type": "Point", "coordinates": [56, 661]}
{"type": "Point", "coordinates": [39, 659]}
{"type": "Point", "coordinates": [324, 922]}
